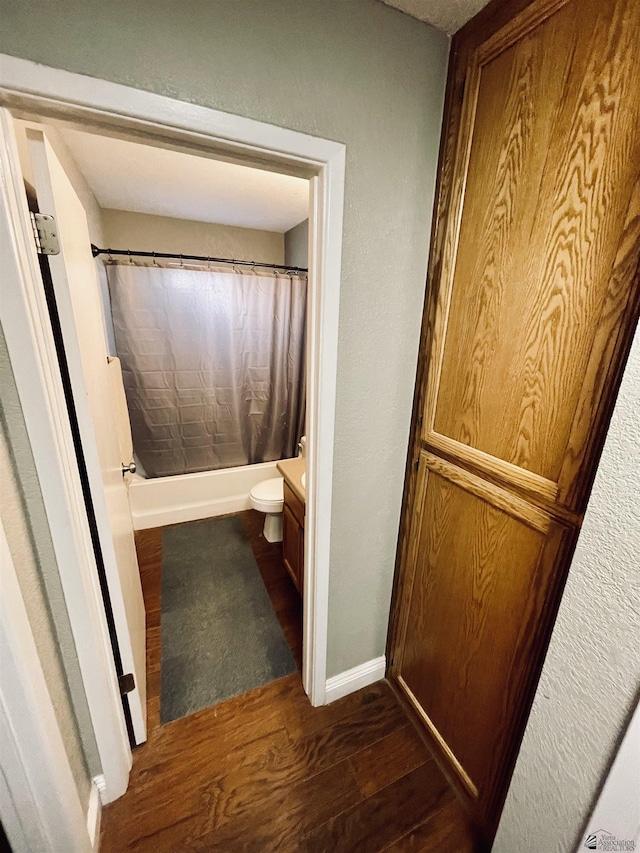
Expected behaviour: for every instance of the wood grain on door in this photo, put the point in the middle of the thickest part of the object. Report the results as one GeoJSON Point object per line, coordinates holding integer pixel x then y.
{"type": "Point", "coordinates": [533, 296]}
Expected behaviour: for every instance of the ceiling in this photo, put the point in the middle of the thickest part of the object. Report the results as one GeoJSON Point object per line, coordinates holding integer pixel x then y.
{"type": "Point", "coordinates": [447, 15]}
{"type": "Point", "coordinates": [131, 176]}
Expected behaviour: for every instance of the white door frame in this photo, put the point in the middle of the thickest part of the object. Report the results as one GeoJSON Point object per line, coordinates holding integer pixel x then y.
{"type": "Point", "coordinates": [28, 88]}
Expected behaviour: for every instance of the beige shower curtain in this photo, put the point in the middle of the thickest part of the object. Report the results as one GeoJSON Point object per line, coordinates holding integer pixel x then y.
{"type": "Point", "coordinates": [213, 364]}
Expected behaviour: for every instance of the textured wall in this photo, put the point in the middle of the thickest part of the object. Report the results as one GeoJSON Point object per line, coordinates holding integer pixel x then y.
{"type": "Point", "coordinates": [27, 529]}
{"type": "Point", "coordinates": [125, 230]}
{"type": "Point", "coordinates": [591, 674]}
{"type": "Point", "coordinates": [618, 806]}
{"type": "Point", "coordinates": [447, 15]}
{"type": "Point", "coordinates": [296, 245]}
{"type": "Point", "coordinates": [355, 71]}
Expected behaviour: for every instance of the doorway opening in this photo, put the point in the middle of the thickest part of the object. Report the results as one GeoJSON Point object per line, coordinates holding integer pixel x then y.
{"type": "Point", "coordinates": [32, 92]}
{"type": "Point", "coordinates": [283, 436]}
{"type": "Point", "coordinates": [181, 292]}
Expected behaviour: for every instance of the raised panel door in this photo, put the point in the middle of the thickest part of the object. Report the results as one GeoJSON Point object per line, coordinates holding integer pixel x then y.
{"type": "Point", "coordinates": [479, 576]}
{"type": "Point", "coordinates": [534, 293]}
{"type": "Point", "coordinates": [549, 158]}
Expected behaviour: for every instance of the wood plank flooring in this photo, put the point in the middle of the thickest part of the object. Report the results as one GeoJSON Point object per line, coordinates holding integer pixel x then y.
{"type": "Point", "coordinates": [265, 771]}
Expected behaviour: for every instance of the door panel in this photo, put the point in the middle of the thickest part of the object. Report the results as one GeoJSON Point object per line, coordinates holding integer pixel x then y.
{"type": "Point", "coordinates": [478, 575]}
{"type": "Point", "coordinates": [534, 293]}
{"type": "Point", "coordinates": [553, 160]}
{"type": "Point", "coordinates": [78, 302]}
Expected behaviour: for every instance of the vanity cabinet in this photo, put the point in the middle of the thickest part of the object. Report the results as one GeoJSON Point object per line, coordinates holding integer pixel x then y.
{"type": "Point", "coordinates": [293, 536]}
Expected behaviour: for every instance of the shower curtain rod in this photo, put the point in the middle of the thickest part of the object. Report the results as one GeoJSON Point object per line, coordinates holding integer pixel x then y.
{"type": "Point", "coordinates": [131, 253]}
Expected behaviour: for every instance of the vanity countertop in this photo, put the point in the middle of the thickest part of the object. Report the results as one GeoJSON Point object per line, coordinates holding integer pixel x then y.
{"type": "Point", "coordinates": [292, 470]}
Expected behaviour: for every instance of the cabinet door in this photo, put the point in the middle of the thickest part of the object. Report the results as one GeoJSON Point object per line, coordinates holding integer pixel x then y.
{"type": "Point", "coordinates": [540, 246]}
{"type": "Point", "coordinates": [533, 298]}
{"type": "Point", "coordinates": [478, 585]}
{"type": "Point", "coordinates": [292, 546]}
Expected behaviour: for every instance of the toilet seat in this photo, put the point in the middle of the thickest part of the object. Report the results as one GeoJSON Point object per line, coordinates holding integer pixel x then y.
{"type": "Point", "coordinates": [268, 496]}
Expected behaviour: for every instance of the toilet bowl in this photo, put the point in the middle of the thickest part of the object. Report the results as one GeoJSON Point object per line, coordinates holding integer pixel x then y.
{"type": "Point", "coordinates": [268, 497]}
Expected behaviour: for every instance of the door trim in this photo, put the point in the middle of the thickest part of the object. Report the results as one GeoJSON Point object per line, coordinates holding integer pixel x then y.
{"type": "Point", "coordinates": [36, 90]}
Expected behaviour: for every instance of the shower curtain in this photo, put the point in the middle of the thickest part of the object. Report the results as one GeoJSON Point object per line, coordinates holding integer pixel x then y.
{"type": "Point", "coordinates": [213, 364]}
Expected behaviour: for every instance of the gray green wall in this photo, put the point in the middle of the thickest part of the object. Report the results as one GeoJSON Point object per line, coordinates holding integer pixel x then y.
{"type": "Point", "coordinates": [27, 530]}
{"type": "Point", "coordinates": [148, 233]}
{"type": "Point", "coordinates": [296, 245]}
{"type": "Point", "coordinates": [355, 71]}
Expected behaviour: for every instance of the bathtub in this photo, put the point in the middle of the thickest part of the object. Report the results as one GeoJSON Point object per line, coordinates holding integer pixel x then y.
{"type": "Point", "coordinates": [188, 497]}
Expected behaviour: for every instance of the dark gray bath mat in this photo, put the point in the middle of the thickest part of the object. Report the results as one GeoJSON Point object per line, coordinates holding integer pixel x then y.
{"type": "Point", "coordinates": [220, 634]}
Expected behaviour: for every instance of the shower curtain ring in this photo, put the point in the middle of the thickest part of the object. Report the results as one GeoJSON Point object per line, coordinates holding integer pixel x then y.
{"type": "Point", "coordinates": [155, 263]}
{"type": "Point", "coordinates": [130, 258]}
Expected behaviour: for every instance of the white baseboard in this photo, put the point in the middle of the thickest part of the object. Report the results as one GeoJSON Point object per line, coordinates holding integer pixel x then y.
{"type": "Point", "coordinates": [94, 812]}
{"type": "Point", "coordinates": [354, 679]}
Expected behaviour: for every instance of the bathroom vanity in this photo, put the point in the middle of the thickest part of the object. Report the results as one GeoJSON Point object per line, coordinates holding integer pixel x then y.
{"type": "Point", "coordinates": [293, 519]}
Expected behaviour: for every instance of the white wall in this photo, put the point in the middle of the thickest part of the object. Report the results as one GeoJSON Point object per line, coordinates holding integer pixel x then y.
{"type": "Point", "coordinates": [591, 675]}
{"type": "Point", "coordinates": [360, 73]}
{"type": "Point", "coordinates": [617, 812]}
{"type": "Point", "coordinates": [147, 233]}
{"type": "Point", "coordinates": [296, 245]}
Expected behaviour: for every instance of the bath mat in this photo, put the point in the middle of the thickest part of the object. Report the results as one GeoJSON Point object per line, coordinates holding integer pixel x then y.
{"type": "Point", "coordinates": [219, 632]}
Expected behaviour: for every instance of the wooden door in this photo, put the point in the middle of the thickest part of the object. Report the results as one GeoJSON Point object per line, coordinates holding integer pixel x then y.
{"type": "Point", "coordinates": [76, 287]}
{"type": "Point", "coordinates": [533, 297]}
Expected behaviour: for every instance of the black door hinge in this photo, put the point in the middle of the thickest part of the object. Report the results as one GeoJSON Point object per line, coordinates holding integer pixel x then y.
{"type": "Point", "coordinates": [126, 683]}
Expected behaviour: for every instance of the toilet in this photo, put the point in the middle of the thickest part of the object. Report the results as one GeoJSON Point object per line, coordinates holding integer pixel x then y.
{"type": "Point", "coordinates": [268, 497]}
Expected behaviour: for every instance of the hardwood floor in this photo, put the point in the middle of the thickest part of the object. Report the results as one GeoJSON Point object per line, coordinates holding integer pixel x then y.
{"type": "Point", "coordinates": [265, 771]}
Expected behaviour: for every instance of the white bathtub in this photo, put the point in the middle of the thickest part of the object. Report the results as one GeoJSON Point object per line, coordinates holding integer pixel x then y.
{"type": "Point", "coordinates": [188, 497]}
